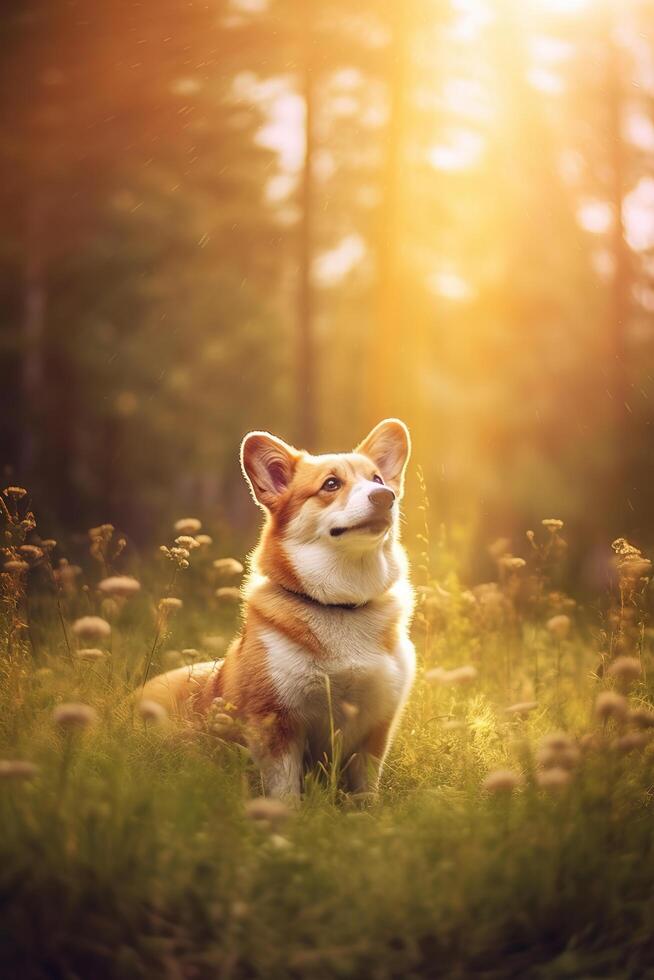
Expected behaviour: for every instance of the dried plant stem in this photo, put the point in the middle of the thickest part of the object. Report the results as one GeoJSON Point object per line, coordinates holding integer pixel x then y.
{"type": "Point", "coordinates": [161, 619]}
{"type": "Point", "coordinates": [155, 643]}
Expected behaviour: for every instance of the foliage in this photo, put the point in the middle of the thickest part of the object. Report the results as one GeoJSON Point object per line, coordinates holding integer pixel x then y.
{"type": "Point", "coordinates": [131, 850]}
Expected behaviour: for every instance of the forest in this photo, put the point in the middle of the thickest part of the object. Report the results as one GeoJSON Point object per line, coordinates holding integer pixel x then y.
{"type": "Point", "coordinates": [303, 218]}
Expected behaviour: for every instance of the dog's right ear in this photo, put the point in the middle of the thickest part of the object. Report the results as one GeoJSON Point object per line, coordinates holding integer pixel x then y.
{"type": "Point", "coordinates": [268, 465]}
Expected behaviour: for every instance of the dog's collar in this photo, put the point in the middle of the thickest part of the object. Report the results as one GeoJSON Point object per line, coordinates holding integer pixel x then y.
{"type": "Point", "coordinates": [326, 605]}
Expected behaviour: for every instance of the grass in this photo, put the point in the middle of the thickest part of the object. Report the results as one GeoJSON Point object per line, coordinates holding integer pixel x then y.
{"type": "Point", "coordinates": [130, 853]}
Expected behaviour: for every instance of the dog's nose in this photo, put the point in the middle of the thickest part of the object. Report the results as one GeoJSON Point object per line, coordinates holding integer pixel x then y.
{"type": "Point", "coordinates": [382, 498]}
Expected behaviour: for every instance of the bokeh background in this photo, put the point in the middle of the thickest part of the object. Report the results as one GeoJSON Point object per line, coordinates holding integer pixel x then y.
{"type": "Point", "coordinates": [306, 216]}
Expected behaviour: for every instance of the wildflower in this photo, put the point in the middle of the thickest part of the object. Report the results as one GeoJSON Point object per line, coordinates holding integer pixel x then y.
{"type": "Point", "coordinates": [102, 532]}
{"type": "Point", "coordinates": [548, 758]}
{"type": "Point", "coordinates": [48, 544]}
{"type": "Point", "coordinates": [631, 563]}
{"type": "Point", "coordinates": [502, 781]}
{"type": "Point", "coordinates": [637, 568]}
{"type": "Point", "coordinates": [632, 740]}
{"type": "Point", "coordinates": [16, 565]}
{"type": "Point", "coordinates": [91, 628]}
{"type": "Point", "coordinates": [204, 540]}
{"type": "Point", "coordinates": [559, 626]}
{"type": "Point", "coordinates": [557, 751]}
{"type": "Point", "coordinates": [459, 675]}
{"type": "Point", "coordinates": [553, 780]}
{"type": "Point", "coordinates": [180, 552]}
{"type": "Point", "coordinates": [15, 492]}
{"type": "Point", "coordinates": [228, 566]}
{"type": "Point", "coordinates": [610, 704]}
{"type": "Point", "coordinates": [228, 592]}
{"type": "Point", "coordinates": [152, 711]}
{"type": "Point", "coordinates": [512, 564]}
{"type": "Point", "coordinates": [188, 525]}
{"type": "Point", "coordinates": [186, 541]}
{"type": "Point", "coordinates": [31, 551]}
{"type": "Point", "coordinates": [556, 741]}
{"type": "Point", "coordinates": [522, 708]}
{"type": "Point", "coordinates": [170, 603]}
{"type": "Point", "coordinates": [642, 717]}
{"type": "Point", "coordinates": [74, 716]}
{"type": "Point", "coordinates": [625, 670]}
{"type": "Point", "coordinates": [267, 812]}
{"type": "Point", "coordinates": [552, 524]}
{"type": "Point", "coordinates": [178, 555]}
{"type": "Point", "coordinates": [17, 769]}
{"type": "Point", "coordinates": [120, 585]}
{"type": "Point", "coordinates": [91, 654]}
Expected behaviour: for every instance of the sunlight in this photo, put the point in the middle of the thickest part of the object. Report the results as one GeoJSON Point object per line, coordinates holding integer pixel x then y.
{"type": "Point", "coordinates": [477, 11]}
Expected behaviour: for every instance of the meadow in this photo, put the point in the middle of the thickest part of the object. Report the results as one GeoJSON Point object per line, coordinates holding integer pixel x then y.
{"type": "Point", "coordinates": [512, 837]}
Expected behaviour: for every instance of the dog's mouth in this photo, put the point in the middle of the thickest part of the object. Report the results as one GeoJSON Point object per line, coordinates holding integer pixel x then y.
{"type": "Point", "coordinates": [372, 526]}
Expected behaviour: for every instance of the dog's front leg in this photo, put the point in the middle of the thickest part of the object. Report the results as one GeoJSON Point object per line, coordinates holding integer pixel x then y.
{"type": "Point", "coordinates": [278, 753]}
{"type": "Point", "coordinates": [282, 774]}
{"type": "Point", "coordinates": [364, 769]}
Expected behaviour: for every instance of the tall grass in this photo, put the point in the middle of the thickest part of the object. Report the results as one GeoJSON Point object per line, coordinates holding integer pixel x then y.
{"type": "Point", "coordinates": [130, 849]}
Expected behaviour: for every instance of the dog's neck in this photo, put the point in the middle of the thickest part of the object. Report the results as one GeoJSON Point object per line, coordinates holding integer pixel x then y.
{"type": "Point", "coordinates": [328, 576]}
{"type": "Point", "coordinates": [305, 597]}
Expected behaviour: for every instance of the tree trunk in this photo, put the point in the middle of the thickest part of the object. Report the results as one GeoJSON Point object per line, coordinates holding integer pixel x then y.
{"type": "Point", "coordinates": [389, 331]}
{"type": "Point", "coordinates": [306, 354]}
{"type": "Point", "coordinates": [33, 339]}
{"type": "Point", "coordinates": [619, 304]}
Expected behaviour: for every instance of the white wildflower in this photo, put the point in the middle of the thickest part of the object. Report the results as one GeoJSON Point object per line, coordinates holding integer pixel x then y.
{"type": "Point", "coordinates": [228, 566]}
{"type": "Point", "coordinates": [188, 525]}
{"type": "Point", "coordinates": [502, 781]}
{"type": "Point", "coordinates": [228, 592]}
{"type": "Point", "coordinates": [553, 780]}
{"type": "Point", "coordinates": [90, 654]}
{"type": "Point", "coordinates": [610, 704]}
{"type": "Point", "coordinates": [152, 711]}
{"type": "Point", "coordinates": [559, 626]}
{"type": "Point", "coordinates": [74, 716]}
{"type": "Point", "coordinates": [17, 769]}
{"type": "Point", "coordinates": [91, 628]}
{"type": "Point", "coordinates": [120, 585]}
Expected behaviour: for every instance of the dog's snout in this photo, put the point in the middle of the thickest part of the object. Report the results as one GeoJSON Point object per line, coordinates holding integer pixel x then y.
{"type": "Point", "coordinates": [382, 498]}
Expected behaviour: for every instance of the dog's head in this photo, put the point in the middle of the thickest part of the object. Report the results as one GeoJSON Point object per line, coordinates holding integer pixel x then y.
{"type": "Point", "coordinates": [330, 508]}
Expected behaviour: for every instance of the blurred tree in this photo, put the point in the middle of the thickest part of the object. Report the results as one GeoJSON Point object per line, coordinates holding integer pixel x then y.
{"type": "Point", "coordinates": [135, 193]}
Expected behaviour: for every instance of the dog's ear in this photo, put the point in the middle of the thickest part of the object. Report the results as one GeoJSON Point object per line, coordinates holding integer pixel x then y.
{"type": "Point", "coordinates": [268, 464]}
{"type": "Point", "coordinates": [389, 447]}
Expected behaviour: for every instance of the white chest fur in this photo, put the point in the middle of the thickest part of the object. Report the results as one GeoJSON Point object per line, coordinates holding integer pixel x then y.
{"type": "Point", "coordinates": [367, 684]}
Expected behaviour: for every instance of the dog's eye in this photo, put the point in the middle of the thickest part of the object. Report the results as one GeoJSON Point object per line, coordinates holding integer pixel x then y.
{"type": "Point", "coordinates": [377, 478]}
{"type": "Point", "coordinates": [331, 483]}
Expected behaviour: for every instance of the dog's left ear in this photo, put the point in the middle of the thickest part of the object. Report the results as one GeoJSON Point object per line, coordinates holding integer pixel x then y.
{"type": "Point", "coordinates": [389, 446]}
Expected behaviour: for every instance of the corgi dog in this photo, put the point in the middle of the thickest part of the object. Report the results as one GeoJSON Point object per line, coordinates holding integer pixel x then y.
{"type": "Point", "coordinates": [327, 605]}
